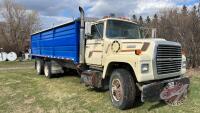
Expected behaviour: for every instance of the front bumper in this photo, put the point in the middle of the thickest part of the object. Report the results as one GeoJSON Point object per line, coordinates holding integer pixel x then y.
{"type": "Point", "coordinates": [152, 92]}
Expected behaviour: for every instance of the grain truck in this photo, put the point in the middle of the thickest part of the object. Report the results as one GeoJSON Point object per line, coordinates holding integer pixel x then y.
{"type": "Point", "coordinates": [112, 54]}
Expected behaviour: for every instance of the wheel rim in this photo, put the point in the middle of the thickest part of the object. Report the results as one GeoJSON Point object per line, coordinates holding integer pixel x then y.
{"type": "Point", "coordinates": [116, 89]}
{"type": "Point", "coordinates": [46, 71]}
{"type": "Point", "coordinates": [38, 67]}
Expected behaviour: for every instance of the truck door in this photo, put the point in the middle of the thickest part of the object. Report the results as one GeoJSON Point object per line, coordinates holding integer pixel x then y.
{"type": "Point", "coordinates": [94, 45]}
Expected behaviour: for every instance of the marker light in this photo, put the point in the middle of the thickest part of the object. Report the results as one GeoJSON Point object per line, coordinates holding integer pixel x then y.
{"type": "Point", "coordinates": [138, 52]}
{"type": "Point", "coordinates": [184, 64]}
{"type": "Point", "coordinates": [145, 68]}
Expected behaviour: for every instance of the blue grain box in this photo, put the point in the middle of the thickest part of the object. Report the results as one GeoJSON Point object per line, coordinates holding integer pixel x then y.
{"type": "Point", "coordinates": [61, 42]}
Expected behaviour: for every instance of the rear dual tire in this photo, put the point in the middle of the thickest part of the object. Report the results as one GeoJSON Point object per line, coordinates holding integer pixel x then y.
{"type": "Point", "coordinates": [122, 89]}
{"type": "Point", "coordinates": [39, 65]}
{"type": "Point", "coordinates": [47, 70]}
{"type": "Point", "coordinates": [43, 68]}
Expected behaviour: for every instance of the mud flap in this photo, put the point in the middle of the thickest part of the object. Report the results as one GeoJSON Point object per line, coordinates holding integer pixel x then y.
{"type": "Point", "coordinates": [165, 90]}
{"type": "Point", "coordinates": [92, 78]}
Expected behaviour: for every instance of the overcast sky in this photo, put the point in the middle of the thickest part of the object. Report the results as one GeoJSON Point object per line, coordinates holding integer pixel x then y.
{"type": "Point", "coordinates": [60, 11]}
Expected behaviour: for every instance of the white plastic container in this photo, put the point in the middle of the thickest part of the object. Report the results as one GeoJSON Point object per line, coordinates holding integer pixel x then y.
{"type": "Point", "coordinates": [3, 56]}
{"type": "Point", "coordinates": [12, 56]}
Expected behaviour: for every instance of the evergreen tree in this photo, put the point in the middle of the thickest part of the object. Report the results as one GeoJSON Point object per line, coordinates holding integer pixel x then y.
{"type": "Point", "coordinates": [134, 18]}
{"type": "Point", "coordinates": [195, 7]}
{"type": "Point", "coordinates": [194, 11]}
{"type": "Point", "coordinates": [148, 20]}
{"type": "Point", "coordinates": [141, 20]}
{"type": "Point", "coordinates": [156, 17]}
{"type": "Point", "coordinates": [155, 21]}
{"type": "Point", "coordinates": [184, 10]}
{"type": "Point", "coordinates": [112, 14]}
{"type": "Point", "coordinates": [199, 8]}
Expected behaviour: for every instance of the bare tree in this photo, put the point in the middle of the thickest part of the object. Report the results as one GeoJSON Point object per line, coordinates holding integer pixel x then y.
{"type": "Point", "coordinates": [181, 25]}
{"type": "Point", "coordinates": [17, 26]}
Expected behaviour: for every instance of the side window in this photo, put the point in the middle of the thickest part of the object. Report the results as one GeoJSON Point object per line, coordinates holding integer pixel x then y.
{"type": "Point", "coordinates": [97, 31]}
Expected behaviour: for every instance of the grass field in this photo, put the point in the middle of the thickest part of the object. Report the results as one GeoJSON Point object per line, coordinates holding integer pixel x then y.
{"type": "Point", "coordinates": [22, 91]}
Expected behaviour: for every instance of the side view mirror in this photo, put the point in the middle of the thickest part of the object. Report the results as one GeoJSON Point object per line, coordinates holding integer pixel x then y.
{"type": "Point", "coordinates": [89, 36]}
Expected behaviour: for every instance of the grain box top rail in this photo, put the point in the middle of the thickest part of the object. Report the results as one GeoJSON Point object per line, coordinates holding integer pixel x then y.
{"type": "Point", "coordinates": [88, 19]}
{"type": "Point", "coordinates": [60, 25]}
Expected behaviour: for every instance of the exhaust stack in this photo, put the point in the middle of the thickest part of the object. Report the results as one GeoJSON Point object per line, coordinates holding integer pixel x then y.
{"type": "Point", "coordinates": [82, 37]}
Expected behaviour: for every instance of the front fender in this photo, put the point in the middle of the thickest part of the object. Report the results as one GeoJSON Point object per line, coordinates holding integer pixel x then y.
{"type": "Point", "coordinates": [125, 59]}
{"type": "Point", "coordinates": [135, 62]}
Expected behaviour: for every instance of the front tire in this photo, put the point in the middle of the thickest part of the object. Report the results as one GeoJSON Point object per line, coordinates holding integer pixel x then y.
{"type": "Point", "coordinates": [47, 70]}
{"type": "Point", "coordinates": [39, 66]}
{"type": "Point", "coordinates": [122, 89]}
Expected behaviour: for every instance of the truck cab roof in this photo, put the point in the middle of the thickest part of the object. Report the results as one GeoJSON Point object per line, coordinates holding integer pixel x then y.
{"type": "Point", "coordinates": [119, 19]}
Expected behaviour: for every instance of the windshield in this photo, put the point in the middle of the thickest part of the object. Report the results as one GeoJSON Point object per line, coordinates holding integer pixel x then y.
{"type": "Point", "coordinates": [123, 30]}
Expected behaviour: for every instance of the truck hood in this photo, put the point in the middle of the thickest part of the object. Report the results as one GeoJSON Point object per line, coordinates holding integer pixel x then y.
{"type": "Point", "coordinates": [156, 41]}
{"type": "Point", "coordinates": [133, 44]}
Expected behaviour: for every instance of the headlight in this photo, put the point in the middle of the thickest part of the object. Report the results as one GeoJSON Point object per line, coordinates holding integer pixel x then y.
{"type": "Point", "coordinates": [184, 64]}
{"type": "Point", "coordinates": [145, 68]}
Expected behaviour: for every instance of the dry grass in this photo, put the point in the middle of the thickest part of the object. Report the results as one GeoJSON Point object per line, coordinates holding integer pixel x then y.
{"type": "Point", "coordinates": [22, 91]}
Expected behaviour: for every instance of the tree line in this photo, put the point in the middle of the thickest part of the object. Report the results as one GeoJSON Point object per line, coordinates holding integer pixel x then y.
{"type": "Point", "coordinates": [180, 25]}
{"type": "Point", "coordinates": [16, 27]}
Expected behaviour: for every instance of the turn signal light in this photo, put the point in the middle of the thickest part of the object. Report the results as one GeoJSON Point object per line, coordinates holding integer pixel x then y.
{"type": "Point", "coordinates": [138, 52]}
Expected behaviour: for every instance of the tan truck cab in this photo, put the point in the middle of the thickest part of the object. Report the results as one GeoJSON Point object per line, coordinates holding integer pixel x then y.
{"type": "Point", "coordinates": [129, 62]}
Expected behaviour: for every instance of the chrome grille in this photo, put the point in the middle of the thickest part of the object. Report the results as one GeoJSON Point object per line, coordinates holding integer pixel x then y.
{"type": "Point", "coordinates": [168, 59]}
